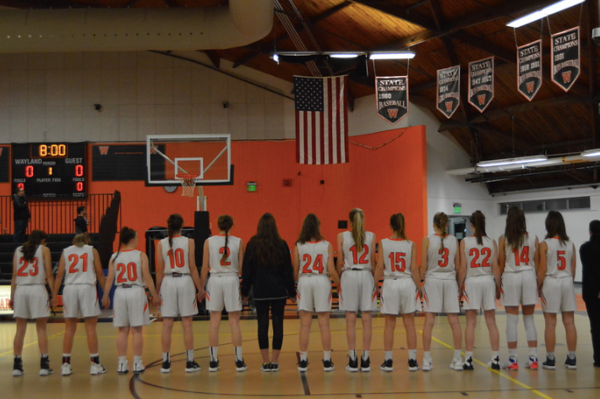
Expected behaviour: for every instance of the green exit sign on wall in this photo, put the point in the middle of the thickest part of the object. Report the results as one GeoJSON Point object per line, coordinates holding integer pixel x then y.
{"type": "Point", "coordinates": [251, 186]}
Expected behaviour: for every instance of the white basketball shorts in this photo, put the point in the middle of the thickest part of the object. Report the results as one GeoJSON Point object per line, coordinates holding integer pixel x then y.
{"type": "Point", "coordinates": [314, 293]}
{"type": "Point", "coordinates": [31, 302]}
{"type": "Point", "coordinates": [80, 300]}
{"type": "Point", "coordinates": [558, 295]}
{"type": "Point", "coordinates": [178, 297]}
{"type": "Point", "coordinates": [519, 289]}
{"type": "Point", "coordinates": [357, 291]}
{"type": "Point", "coordinates": [223, 291]}
{"type": "Point", "coordinates": [130, 307]}
{"type": "Point", "coordinates": [399, 296]}
{"type": "Point", "coordinates": [479, 293]}
{"type": "Point", "coordinates": [440, 296]}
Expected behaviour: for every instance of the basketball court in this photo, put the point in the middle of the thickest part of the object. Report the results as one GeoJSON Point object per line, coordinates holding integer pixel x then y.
{"type": "Point", "coordinates": [441, 382]}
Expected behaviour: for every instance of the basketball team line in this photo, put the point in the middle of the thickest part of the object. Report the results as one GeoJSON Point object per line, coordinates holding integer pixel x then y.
{"type": "Point", "coordinates": [304, 378]}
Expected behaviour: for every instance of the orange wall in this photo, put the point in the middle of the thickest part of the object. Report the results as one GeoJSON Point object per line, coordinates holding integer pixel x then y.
{"type": "Point", "coordinates": [384, 181]}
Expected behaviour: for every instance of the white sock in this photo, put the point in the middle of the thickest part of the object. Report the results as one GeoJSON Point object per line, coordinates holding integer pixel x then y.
{"type": "Point", "coordinates": [44, 355]}
{"type": "Point", "coordinates": [214, 353]}
{"type": "Point", "coordinates": [365, 355]}
{"type": "Point", "coordinates": [412, 354]}
{"type": "Point", "coordinates": [327, 355]}
{"type": "Point", "coordinates": [427, 356]}
{"type": "Point", "coordinates": [458, 354]}
{"type": "Point", "coordinates": [512, 354]}
{"type": "Point", "coordinates": [137, 360]}
{"type": "Point", "coordinates": [303, 356]}
{"type": "Point", "coordinates": [238, 353]}
{"type": "Point", "coordinates": [550, 355]}
{"type": "Point", "coordinates": [352, 354]}
{"type": "Point", "coordinates": [571, 355]}
{"type": "Point", "coordinates": [190, 355]}
{"type": "Point", "coordinates": [469, 355]}
{"type": "Point", "coordinates": [388, 355]}
{"type": "Point", "coordinates": [495, 355]}
{"type": "Point", "coordinates": [166, 356]}
{"type": "Point", "coordinates": [533, 353]}
{"type": "Point", "coordinates": [122, 359]}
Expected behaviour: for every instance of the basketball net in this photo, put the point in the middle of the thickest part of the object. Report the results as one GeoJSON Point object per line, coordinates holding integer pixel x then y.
{"type": "Point", "coordinates": [188, 182]}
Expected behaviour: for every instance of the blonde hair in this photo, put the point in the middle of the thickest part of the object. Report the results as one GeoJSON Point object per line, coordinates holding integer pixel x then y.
{"type": "Point", "coordinates": [441, 221]}
{"type": "Point", "coordinates": [357, 217]}
{"type": "Point", "coordinates": [80, 240]}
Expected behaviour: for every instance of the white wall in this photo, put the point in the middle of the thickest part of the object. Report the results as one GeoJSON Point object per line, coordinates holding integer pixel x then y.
{"type": "Point", "coordinates": [52, 96]}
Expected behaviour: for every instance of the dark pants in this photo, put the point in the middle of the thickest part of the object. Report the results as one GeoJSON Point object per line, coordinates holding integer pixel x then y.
{"type": "Point", "coordinates": [20, 228]}
{"type": "Point", "coordinates": [593, 310]}
{"type": "Point", "coordinates": [277, 307]}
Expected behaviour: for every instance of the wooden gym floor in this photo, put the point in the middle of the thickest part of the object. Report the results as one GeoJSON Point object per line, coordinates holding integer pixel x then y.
{"type": "Point", "coordinates": [441, 382]}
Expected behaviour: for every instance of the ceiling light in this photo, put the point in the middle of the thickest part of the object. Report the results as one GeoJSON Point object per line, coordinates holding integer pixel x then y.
{"type": "Point", "coordinates": [544, 12]}
{"type": "Point", "coordinates": [343, 55]}
{"type": "Point", "coordinates": [276, 58]}
{"type": "Point", "coordinates": [392, 55]}
{"type": "Point", "coordinates": [512, 161]}
{"type": "Point", "coordinates": [591, 153]}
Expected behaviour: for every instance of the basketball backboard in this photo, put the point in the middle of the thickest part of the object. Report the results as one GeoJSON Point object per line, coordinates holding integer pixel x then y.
{"type": "Point", "coordinates": [206, 155]}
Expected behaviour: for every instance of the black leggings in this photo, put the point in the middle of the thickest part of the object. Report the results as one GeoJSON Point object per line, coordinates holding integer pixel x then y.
{"type": "Point", "coordinates": [262, 315]}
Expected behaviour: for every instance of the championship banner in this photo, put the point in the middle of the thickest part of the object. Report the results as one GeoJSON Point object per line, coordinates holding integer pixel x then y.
{"type": "Point", "coordinates": [448, 90]}
{"type": "Point", "coordinates": [529, 69]}
{"type": "Point", "coordinates": [392, 97]}
{"type": "Point", "coordinates": [565, 58]}
{"type": "Point", "coordinates": [481, 83]}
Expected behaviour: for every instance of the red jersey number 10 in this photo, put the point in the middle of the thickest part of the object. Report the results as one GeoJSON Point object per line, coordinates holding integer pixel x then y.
{"type": "Point", "coordinates": [177, 259]}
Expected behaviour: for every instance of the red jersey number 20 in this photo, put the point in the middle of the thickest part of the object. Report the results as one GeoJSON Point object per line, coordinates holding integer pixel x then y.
{"type": "Point", "coordinates": [130, 269]}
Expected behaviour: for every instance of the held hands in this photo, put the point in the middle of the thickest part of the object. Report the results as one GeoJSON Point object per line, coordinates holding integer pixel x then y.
{"type": "Point", "coordinates": [293, 299]}
{"type": "Point", "coordinates": [11, 303]}
{"type": "Point", "coordinates": [156, 300]}
{"type": "Point", "coordinates": [105, 302]}
{"type": "Point", "coordinates": [201, 295]}
{"type": "Point", "coordinates": [54, 301]}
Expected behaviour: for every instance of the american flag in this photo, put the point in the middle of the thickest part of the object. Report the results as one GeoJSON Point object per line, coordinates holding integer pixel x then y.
{"type": "Point", "coordinates": [321, 120]}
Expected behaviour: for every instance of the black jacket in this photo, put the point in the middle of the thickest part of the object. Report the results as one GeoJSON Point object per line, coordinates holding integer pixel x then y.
{"type": "Point", "coordinates": [80, 225]}
{"type": "Point", "coordinates": [590, 259]}
{"type": "Point", "coordinates": [20, 208]}
{"type": "Point", "coordinates": [269, 281]}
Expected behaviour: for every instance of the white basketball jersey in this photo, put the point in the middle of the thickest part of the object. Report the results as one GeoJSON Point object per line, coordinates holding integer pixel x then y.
{"type": "Point", "coordinates": [559, 258]}
{"type": "Point", "coordinates": [440, 262]}
{"type": "Point", "coordinates": [176, 261]}
{"type": "Point", "coordinates": [358, 258]}
{"type": "Point", "coordinates": [128, 267]}
{"type": "Point", "coordinates": [313, 257]}
{"type": "Point", "coordinates": [397, 257]}
{"type": "Point", "coordinates": [79, 265]}
{"type": "Point", "coordinates": [216, 248]}
{"type": "Point", "coordinates": [479, 257]}
{"type": "Point", "coordinates": [522, 258]}
{"type": "Point", "coordinates": [30, 272]}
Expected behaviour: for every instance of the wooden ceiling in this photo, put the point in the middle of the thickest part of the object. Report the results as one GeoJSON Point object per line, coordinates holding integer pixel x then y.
{"type": "Point", "coordinates": [442, 33]}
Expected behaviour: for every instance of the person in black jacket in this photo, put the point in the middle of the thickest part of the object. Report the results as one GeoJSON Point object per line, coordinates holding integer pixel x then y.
{"type": "Point", "coordinates": [81, 222]}
{"type": "Point", "coordinates": [268, 270]}
{"type": "Point", "coordinates": [590, 259]}
{"type": "Point", "coordinates": [21, 215]}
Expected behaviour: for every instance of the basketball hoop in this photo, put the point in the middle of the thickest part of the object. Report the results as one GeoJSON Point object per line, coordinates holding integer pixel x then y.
{"type": "Point", "coordinates": [188, 182]}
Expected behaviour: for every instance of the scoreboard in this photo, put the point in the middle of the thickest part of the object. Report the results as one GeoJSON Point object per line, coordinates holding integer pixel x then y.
{"type": "Point", "coordinates": [49, 170]}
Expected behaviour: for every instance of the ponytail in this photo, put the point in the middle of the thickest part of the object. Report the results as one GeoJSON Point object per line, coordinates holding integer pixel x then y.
{"type": "Point", "coordinates": [35, 239]}
{"type": "Point", "coordinates": [397, 224]}
{"type": "Point", "coordinates": [441, 221]}
{"type": "Point", "coordinates": [225, 222]}
{"type": "Point", "coordinates": [477, 219]}
{"type": "Point", "coordinates": [174, 225]}
{"type": "Point", "coordinates": [357, 218]}
{"type": "Point", "coordinates": [125, 236]}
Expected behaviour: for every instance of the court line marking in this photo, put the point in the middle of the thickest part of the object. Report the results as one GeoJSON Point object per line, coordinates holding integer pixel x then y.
{"type": "Point", "coordinates": [303, 378]}
{"type": "Point", "coordinates": [515, 381]}
{"type": "Point", "coordinates": [5, 354]}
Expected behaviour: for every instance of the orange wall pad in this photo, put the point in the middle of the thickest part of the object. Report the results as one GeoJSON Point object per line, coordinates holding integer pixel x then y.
{"type": "Point", "coordinates": [384, 181]}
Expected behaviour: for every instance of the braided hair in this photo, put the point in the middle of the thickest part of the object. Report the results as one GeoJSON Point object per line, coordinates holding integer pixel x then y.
{"type": "Point", "coordinates": [174, 225]}
{"type": "Point", "coordinates": [225, 222]}
{"type": "Point", "coordinates": [441, 221]}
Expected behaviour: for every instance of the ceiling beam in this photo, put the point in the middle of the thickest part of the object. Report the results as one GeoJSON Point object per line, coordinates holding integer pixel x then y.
{"type": "Point", "coordinates": [516, 109]}
{"type": "Point", "coordinates": [257, 49]}
{"type": "Point", "coordinates": [214, 58]}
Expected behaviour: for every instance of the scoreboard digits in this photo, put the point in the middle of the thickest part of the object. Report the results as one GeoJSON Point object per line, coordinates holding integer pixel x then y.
{"type": "Point", "coordinates": [49, 170]}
